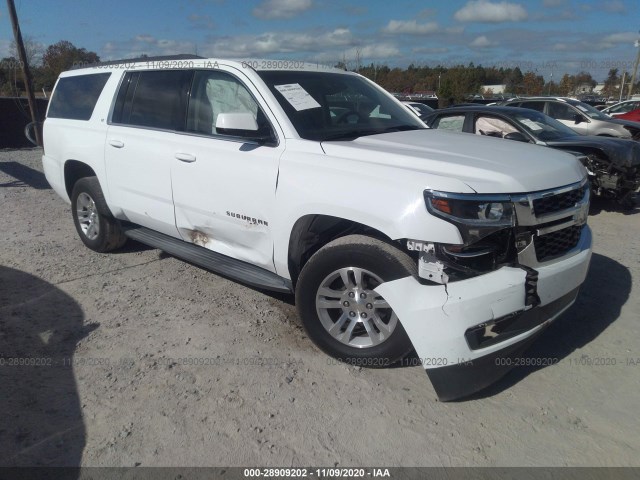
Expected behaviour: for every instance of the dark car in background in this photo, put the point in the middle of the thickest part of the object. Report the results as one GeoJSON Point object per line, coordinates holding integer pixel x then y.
{"type": "Point", "coordinates": [579, 116]}
{"type": "Point", "coordinates": [613, 163]}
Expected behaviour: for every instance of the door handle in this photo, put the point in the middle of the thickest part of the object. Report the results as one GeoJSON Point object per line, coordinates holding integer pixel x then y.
{"type": "Point", "coordinates": [186, 157]}
{"type": "Point", "coordinates": [116, 143]}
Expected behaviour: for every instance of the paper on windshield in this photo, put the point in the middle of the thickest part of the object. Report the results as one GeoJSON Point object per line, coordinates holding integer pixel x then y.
{"type": "Point", "coordinates": [531, 124]}
{"type": "Point", "coordinates": [297, 96]}
{"type": "Point", "coordinates": [582, 108]}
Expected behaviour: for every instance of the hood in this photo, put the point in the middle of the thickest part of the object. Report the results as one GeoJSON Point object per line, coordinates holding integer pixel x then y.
{"type": "Point", "coordinates": [619, 151]}
{"type": "Point", "coordinates": [626, 123]}
{"type": "Point", "coordinates": [487, 165]}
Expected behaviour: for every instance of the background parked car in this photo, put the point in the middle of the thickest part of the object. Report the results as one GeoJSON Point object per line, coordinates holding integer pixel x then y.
{"type": "Point", "coordinates": [632, 116]}
{"type": "Point", "coordinates": [622, 108]}
{"type": "Point", "coordinates": [579, 116]}
{"type": "Point", "coordinates": [613, 164]}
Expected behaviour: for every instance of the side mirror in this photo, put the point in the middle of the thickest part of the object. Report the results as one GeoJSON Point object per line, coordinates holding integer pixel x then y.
{"type": "Point", "coordinates": [578, 118]}
{"type": "Point", "coordinates": [234, 123]}
{"type": "Point", "coordinates": [517, 136]}
{"type": "Point", "coordinates": [240, 124]}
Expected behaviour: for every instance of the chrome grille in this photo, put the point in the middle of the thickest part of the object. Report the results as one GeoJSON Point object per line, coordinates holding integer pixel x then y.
{"type": "Point", "coordinates": [557, 203]}
{"type": "Point", "coordinates": [556, 243]}
{"type": "Point", "coordinates": [550, 222]}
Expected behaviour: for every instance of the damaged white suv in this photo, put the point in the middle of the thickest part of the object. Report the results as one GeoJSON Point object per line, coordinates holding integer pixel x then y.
{"type": "Point", "coordinates": [314, 181]}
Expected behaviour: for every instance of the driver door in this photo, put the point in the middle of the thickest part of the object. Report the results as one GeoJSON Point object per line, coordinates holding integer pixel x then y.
{"type": "Point", "coordinates": [223, 185]}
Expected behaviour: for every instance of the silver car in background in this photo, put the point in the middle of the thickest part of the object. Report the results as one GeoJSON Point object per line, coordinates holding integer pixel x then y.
{"type": "Point", "coordinates": [622, 108]}
{"type": "Point", "coordinates": [579, 116]}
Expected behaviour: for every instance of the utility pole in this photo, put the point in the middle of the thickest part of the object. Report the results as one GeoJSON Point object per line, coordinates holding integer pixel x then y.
{"type": "Point", "coordinates": [624, 76]}
{"type": "Point", "coordinates": [635, 68]}
{"type": "Point", "coordinates": [26, 73]}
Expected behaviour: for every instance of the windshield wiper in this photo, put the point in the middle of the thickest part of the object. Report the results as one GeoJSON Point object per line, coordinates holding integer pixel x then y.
{"type": "Point", "coordinates": [353, 134]}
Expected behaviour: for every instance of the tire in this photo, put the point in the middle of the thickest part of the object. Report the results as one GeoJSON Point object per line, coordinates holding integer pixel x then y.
{"type": "Point", "coordinates": [94, 223]}
{"type": "Point", "coordinates": [356, 329]}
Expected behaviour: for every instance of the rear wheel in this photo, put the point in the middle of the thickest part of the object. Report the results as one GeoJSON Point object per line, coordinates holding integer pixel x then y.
{"type": "Point", "coordinates": [339, 308]}
{"type": "Point", "coordinates": [94, 223]}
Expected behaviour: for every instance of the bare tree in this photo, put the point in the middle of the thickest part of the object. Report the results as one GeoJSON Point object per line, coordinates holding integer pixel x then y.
{"type": "Point", "coordinates": [33, 48]}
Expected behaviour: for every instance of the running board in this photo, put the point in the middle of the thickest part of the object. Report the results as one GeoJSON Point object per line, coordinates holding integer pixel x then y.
{"type": "Point", "coordinates": [216, 262]}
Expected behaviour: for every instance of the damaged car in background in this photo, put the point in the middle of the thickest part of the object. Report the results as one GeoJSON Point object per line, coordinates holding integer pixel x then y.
{"type": "Point", "coordinates": [613, 163]}
{"type": "Point", "coordinates": [296, 178]}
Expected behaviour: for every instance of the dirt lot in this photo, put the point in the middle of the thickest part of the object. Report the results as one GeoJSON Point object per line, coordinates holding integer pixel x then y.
{"type": "Point", "coordinates": [104, 328]}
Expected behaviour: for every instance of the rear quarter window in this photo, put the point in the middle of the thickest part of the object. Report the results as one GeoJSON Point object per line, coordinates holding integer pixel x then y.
{"type": "Point", "coordinates": [75, 97]}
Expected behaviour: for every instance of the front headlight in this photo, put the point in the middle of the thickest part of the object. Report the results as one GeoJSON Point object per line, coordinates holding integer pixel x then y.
{"type": "Point", "coordinates": [475, 215]}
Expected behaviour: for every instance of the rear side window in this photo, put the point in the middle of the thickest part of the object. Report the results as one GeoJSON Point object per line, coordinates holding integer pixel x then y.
{"type": "Point", "coordinates": [156, 99]}
{"type": "Point", "coordinates": [454, 123]}
{"type": "Point", "coordinates": [75, 97]}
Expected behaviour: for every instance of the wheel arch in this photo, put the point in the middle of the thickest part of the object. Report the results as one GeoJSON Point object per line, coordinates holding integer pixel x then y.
{"type": "Point", "coordinates": [74, 170]}
{"type": "Point", "coordinates": [313, 231]}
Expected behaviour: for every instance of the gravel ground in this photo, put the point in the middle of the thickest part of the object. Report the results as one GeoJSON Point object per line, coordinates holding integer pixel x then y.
{"type": "Point", "coordinates": [103, 330]}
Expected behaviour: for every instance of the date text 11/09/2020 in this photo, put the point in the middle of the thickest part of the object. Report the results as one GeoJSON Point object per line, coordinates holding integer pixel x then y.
{"type": "Point", "coordinates": [316, 472]}
{"type": "Point", "coordinates": [405, 362]}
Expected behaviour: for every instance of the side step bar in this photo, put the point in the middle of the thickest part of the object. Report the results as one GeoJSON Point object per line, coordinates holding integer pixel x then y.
{"type": "Point", "coordinates": [216, 262]}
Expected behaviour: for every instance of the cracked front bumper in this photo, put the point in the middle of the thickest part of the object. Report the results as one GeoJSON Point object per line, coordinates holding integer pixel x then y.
{"type": "Point", "coordinates": [463, 330]}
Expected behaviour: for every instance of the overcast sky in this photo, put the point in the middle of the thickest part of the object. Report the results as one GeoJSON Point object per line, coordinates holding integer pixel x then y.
{"type": "Point", "coordinates": [547, 36]}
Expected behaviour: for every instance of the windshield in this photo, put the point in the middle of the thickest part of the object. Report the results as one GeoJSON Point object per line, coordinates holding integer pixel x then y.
{"type": "Point", "coordinates": [335, 106]}
{"type": "Point", "coordinates": [590, 111]}
{"type": "Point", "coordinates": [542, 127]}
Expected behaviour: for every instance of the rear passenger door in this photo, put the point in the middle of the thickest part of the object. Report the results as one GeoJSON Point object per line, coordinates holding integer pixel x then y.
{"type": "Point", "coordinates": [142, 145]}
{"type": "Point", "coordinates": [224, 183]}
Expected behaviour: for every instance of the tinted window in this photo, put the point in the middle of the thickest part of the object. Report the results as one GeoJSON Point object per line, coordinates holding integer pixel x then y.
{"type": "Point", "coordinates": [156, 99]}
{"type": "Point", "coordinates": [560, 111]}
{"type": "Point", "coordinates": [214, 93]}
{"type": "Point", "coordinates": [75, 97]}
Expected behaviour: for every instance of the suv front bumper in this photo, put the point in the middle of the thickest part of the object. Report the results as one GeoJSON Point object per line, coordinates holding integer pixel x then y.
{"type": "Point", "coordinates": [467, 332]}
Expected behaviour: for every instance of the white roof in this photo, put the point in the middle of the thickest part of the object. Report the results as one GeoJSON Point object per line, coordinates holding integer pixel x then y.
{"type": "Point", "coordinates": [185, 63]}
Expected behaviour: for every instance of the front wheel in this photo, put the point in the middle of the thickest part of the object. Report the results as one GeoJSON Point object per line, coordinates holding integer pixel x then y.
{"type": "Point", "coordinates": [94, 223]}
{"type": "Point", "coordinates": [339, 308]}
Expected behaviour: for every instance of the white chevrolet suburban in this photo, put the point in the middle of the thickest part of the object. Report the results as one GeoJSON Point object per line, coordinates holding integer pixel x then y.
{"type": "Point", "coordinates": [310, 180]}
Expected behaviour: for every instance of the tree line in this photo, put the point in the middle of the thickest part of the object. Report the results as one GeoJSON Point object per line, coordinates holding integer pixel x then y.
{"type": "Point", "coordinates": [456, 83]}
{"type": "Point", "coordinates": [45, 66]}
{"type": "Point", "coordinates": [452, 84]}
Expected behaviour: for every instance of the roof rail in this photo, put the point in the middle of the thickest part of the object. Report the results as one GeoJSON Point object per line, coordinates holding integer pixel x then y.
{"type": "Point", "coordinates": [181, 56]}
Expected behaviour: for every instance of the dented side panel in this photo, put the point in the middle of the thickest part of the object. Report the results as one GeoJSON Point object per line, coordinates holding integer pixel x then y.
{"type": "Point", "coordinates": [224, 200]}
